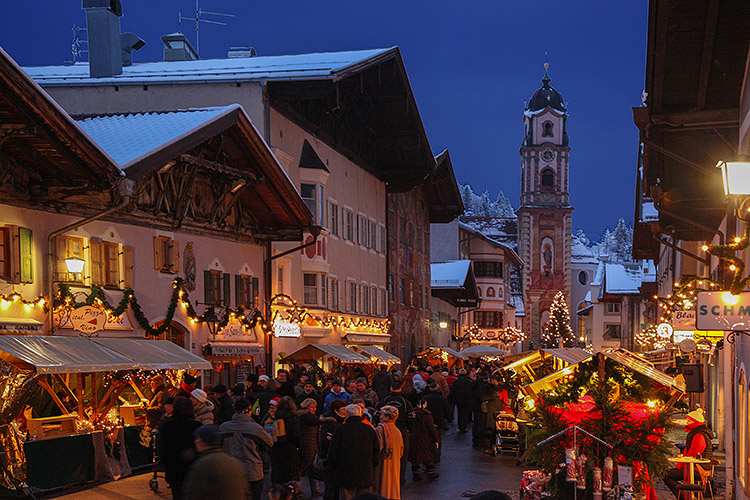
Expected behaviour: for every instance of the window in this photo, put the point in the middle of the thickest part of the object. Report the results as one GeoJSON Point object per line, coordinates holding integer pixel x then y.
{"type": "Point", "coordinates": [488, 319]}
{"type": "Point", "coordinates": [166, 254]}
{"type": "Point", "coordinates": [16, 254]}
{"type": "Point", "coordinates": [105, 263]}
{"type": "Point", "coordinates": [280, 278]}
{"type": "Point", "coordinates": [365, 299]}
{"type": "Point", "coordinates": [548, 178]}
{"type": "Point", "coordinates": [611, 331]}
{"type": "Point", "coordinates": [373, 230]}
{"type": "Point", "coordinates": [383, 302]}
{"type": "Point", "coordinates": [402, 290]}
{"type": "Point", "coordinates": [383, 240]}
{"type": "Point", "coordinates": [311, 288]}
{"type": "Point", "coordinates": [613, 308]}
{"type": "Point", "coordinates": [352, 306]}
{"type": "Point", "coordinates": [216, 288]}
{"type": "Point", "coordinates": [583, 278]}
{"type": "Point", "coordinates": [362, 224]}
{"type": "Point", "coordinates": [333, 287]}
{"type": "Point", "coordinates": [547, 129]}
{"type": "Point", "coordinates": [390, 288]}
{"type": "Point", "coordinates": [374, 299]}
{"type": "Point", "coordinates": [313, 196]}
{"type": "Point", "coordinates": [348, 225]}
{"type": "Point", "coordinates": [65, 248]}
{"type": "Point", "coordinates": [333, 218]}
{"type": "Point", "coordinates": [488, 269]}
{"type": "Point", "coordinates": [246, 291]}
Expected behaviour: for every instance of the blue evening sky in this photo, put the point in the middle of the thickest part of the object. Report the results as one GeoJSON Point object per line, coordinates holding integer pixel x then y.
{"type": "Point", "coordinates": [471, 63]}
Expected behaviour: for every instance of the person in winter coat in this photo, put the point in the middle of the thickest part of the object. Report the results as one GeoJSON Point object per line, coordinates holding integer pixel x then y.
{"type": "Point", "coordinates": [203, 408]}
{"type": "Point", "coordinates": [309, 424]}
{"type": "Point", "coordinates": [214, 474]}
{"type": "Point", "coordinates": [337, 392]}
{"type": "Point", "coordinates": [438, 378]}
{"type": "Point", "coordinates": [381, 383]}
{"type": "Point", "coordinates": [460, 395]}
{"type": "Point", "coordinates": [388, 473]}
{"type": "Point", "coordinates": [286, 386]}
{"type": "Point", "coordinates": [479, 389]}
{"type": "Point", "coordinates": [423, 444]}
{"type": "Point", "coordinates": [245, 440]}
{"type": "Point", "coordinates": [405, 421]}
{"type": "Point", "coordinates": [697, 442]}
{"type": "Point", "coordinates": [175, 444]}
{"type": "Point", "coordinates": [366, 394]}
{"type": "Point", "coordinates": [354, 454]}
{"type": "Point", "coordinates": [337, 415]}
{"type": "Point", "coordinates": [491, 406]}
{"type": "Point", "coordinates": [155, 407]}
{"type": "Point", "coordinates": [438, 406]}
{"type": "Point", "coordinates": [309, 392]}
{"type": "Point", "coordinates": [286, 439]}
{"type": "Point", "coordinates": [225, 410]}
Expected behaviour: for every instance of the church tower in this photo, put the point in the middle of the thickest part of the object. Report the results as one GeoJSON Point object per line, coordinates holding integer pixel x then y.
{"type": "Point", "coordinates": [544, 217]}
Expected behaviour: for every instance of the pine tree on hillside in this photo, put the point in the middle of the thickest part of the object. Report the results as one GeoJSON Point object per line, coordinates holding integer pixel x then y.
{"type": "Point", "coordinates": [582, 238]}
{"type": "Point", "coordinates": [503, 206]}
{"type": "Point", "coordinates": [623, 239]}
{"type": "Point", "coordinates": [558, 329]}
{"type": "Point", "coordinates": [467, 196]}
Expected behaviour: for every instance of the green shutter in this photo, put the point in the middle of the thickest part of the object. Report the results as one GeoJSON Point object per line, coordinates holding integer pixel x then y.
{"type": "Point", "coordinates": [226, 296]}
{"type": "Point", "coordinates": [207, 287]}
{"type": "Point", "coordinates": [256, 292]}
{"type": "Point", "coordinates": [26, 253]}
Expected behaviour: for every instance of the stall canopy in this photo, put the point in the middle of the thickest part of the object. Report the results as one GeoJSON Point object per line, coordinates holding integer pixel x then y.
{"type": "Point", "coordinates": [377, 354]}
{"type": "Point", "coordinates": [478, 351]}
{"type": "Point", "coordinates": [561, 357]}
{"type": "Point", "coordinates": [626, 358]}
{"type": "Point", "coordinates": [316, 351]}
{"type": "Point", "coordinates": [81, 355]}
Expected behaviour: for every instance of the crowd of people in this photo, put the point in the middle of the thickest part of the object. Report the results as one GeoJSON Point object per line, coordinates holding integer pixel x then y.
{"type": "Point", "coordinates": [349, 437]}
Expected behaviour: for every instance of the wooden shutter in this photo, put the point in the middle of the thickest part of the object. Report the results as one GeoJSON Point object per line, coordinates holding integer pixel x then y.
{"type": "Point", "coordinates": [207, 287]}
{"type": "Point", "coordinates": [174, 260]}
{"type": "Point", "coordinates": [158, 253]}
{"type": "Point", "coordinates": [127, 267]}
{"type": "Point", "coordinates": [26, 254]}
{"type": "Point", "coordinates": [238, 295]}
{"type": "Point", "coordinates": [225, 297]}
{"type": "Point", "coordinates": [96, 251]}
{"type": "Point", "coordinates": [61, 253]}
{"type": "Point", "coordinates": [256, 292]}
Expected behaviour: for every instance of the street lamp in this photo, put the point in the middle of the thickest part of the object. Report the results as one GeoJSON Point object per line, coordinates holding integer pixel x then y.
{"type": "Point", "coordinates": [74, 265]}
{"type": "Point", "coordinates": [735, 175]}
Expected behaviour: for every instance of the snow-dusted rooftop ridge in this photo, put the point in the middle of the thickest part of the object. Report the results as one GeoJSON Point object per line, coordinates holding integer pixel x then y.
{"type": "Point", "coordinates": [649, 212]}
{"type": "Point", "coordinates": [623, 279]}
{"type": "Point", "coordinates": [286, 67]}
{"type": "Point", "coordinates": [581, 253]}
{"type": "Point", "coordinates": [449, 274]}
{"type": "Point", "coordinates": [128, 137]}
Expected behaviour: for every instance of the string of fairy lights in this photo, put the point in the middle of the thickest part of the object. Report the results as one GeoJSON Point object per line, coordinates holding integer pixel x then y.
{"type": "Point", "coordinates": [507, 335]}
{"type": "Point", "coordinates": [17, 298]}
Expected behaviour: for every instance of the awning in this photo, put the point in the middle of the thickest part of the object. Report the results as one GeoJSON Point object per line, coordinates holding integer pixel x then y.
{"type": "Point", "coordinates": [80, 355]}
{"type": "Point", "coordinates": [316, 351]}
{"type": "Point", "coordinates": [370, 338]}
{"type": "Point", "coordinates": [233, 349]}
{"type": "Point", "coordinates": [155, 354]}
{"type": "Point", "coordinates": [377, 354]}
{"type": "Point", "coordinates": [568, 354]}
{"type": "Point", "coordinates": [479, 351]}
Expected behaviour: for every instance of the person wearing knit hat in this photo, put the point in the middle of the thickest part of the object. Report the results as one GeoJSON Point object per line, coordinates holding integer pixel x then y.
{"type": "Point", "coordinates": [245, 440]}
{"type": "Point", "coordinates": [697, 443]}
{"type": "Point", "coordinates": [202, 407]}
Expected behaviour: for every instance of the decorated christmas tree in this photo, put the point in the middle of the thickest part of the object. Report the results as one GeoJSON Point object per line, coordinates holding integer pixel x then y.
{"type": "Point", "coordinates": [558, 329]}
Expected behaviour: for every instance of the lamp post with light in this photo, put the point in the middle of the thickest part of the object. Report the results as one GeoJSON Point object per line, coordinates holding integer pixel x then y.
{"type": "Point", "coordinates": [74, 266]}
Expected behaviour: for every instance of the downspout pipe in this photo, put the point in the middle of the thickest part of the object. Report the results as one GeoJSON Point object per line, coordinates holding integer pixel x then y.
{"type": "Point", "coordinates": [125, 187]}
{"type": "Point", "coordinates": [315, 232]}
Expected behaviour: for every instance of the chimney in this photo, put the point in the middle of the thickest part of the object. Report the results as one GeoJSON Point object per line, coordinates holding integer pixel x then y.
{"type": "Point", "coordinates": [108, 49]}
{"type": "Point", "coordinates": [177, 48]}
{"type": "Point", "coordinates": [239, 52]}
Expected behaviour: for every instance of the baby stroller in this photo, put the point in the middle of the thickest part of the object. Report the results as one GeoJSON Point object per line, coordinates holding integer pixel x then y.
{"type": "Point", "coordinates": [506, 433]}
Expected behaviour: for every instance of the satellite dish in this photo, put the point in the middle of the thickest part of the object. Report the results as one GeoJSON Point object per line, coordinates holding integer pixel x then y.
{"type": "Point", "coordinates": [688, 345]}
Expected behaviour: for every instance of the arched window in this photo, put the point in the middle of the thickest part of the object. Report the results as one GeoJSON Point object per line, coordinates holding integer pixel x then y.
{"type": "Point", "coordinates": [490, 291]}
{"type": "Point", "coordinates": [175, 333]}
{"type": "Point", "coordinates": [547, 129]}
{"type": "Point", "coordinates": [548, 179]}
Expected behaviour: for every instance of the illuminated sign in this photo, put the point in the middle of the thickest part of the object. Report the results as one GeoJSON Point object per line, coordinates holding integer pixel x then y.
{"type": "Point", "coordinates": [683, 320]}
{"type": "Point", "coordinates": [283, 328]}
{"type": "Point", "coordinates": [723, 311]}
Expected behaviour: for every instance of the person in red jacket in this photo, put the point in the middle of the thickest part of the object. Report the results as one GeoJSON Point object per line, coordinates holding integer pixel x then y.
{"type": "Point", "coordinates": [698, 442]}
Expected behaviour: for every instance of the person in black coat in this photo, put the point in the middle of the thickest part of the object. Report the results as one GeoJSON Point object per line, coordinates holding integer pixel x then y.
{"type": "Point", "coordinates": [263, 401]}
{"type": "Point", "coordinates": [460, 395]}
{"type": "Point", "coordinates": [175, 446]}
{"type": "Point", "coordinates": [353, 455]}
{"type": "Point", "coordinates": [225, 410]}
{"type": "Point", "coordinates": [286, 386]}
{"type": "Point", "coordinates": [437, 404]}
{"type": "Point", "coordinates": [286, 436]}
{"type": "Point", "coordinates": [309, 392]}
{"type": "Point", "coordinates": [337, 413]}
{"type": "Point", "coordinates": [479, 389]}
{"type": "Point", "coordinates": [381, 383]}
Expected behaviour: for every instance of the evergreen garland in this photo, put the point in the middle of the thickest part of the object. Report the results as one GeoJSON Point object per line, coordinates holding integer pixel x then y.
{"type": "Point", "coordinates": [66, 299]}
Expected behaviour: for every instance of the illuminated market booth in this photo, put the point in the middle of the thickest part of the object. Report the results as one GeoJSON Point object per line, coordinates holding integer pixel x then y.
{"type": "Point", "coordinates": [439, 355]}
{"type": "Point", "coordinates": [534, 365]}
{"type": "Point", "coordinates": [73, 408]}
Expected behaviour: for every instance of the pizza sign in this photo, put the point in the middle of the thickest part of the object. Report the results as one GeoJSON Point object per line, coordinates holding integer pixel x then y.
{"type": "Point", "coordinates": [88, 320]}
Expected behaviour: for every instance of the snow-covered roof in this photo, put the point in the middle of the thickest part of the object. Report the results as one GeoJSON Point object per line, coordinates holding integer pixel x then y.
{"type": "Point", "coordinates": [449, 274]}
{"type": "Point", "coordinates": [502, 229]}
{"type": "Point", "coordinates": [599, 275]}
{"type": "Point", "coordinates": [127, 137]}
{"type": "Point", "coordinates": [314, 66]}
{"type": "Point", "coordinates": [581, 253]}
{"type": "Point", "coordinates": [622, 279]}
{"type": "Point", "coordinates": [492, 241]}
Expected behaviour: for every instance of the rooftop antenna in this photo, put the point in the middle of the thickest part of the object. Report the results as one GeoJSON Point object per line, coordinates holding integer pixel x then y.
{"type": "Point", "coordinates": [76, 49]}
{"type": "Point", "coordinates": [200, 19]}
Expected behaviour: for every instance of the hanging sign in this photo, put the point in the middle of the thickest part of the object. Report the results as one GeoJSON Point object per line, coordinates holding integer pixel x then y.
{"type": "Point", "coordinates": [283, 328]}
{"type": "Point", "coordinates": [235, 330]}
{"type": "Point", "coordinates": [88, 319]}
{"type": "Point", "coordinates": [121, 322]}
{"type": "Point", "coordinates": [723, 311]}
{"type": "Point", "coordinates": [683, 320]}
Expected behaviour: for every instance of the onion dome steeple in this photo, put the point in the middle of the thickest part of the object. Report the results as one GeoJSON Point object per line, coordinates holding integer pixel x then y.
{"type": "Point", "coordinates": [546, 96]}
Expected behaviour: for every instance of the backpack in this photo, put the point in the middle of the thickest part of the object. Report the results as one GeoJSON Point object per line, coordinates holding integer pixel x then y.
{"type": "Point", "coordinates": [406, 420]}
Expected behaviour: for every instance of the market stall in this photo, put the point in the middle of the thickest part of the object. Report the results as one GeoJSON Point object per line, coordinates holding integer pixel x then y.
{"type": "Point", "coordinates": [86, 381]}
{"type": "Point", "coordinates": [377, 355]}
{"type": "Point", "coordinates": [481, 351]}
{"type": "Point", "coordinates": [332, 354]}
{"type": "Point", "coordinates": [533, 365]}
{"type": "Point", "coordinates": [439, 355]}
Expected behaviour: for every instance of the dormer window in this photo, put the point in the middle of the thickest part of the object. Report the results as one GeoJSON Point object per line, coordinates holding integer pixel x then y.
{"type": "Point", "coordinates": [547, 129]}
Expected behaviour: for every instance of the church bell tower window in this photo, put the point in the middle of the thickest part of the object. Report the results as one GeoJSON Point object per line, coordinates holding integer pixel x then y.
{"type": "Point", "coordinates": [548, 179]}
{"type": "Point", "coordinates": [547, 129]}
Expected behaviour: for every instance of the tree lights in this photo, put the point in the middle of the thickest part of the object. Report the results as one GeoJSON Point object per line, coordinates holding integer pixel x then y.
{"type": "Point", "coordinates": [559, 324]}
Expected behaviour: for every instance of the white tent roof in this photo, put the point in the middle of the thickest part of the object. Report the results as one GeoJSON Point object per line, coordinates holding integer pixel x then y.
{"type": "Point", "coordinates": [316, 351]}
{"type": "Point", "coordinates": [378, 354]}
{"type": "Point", "coordinates": [477, 351]}
{"type": "Point", "coordinates": [79, 355]}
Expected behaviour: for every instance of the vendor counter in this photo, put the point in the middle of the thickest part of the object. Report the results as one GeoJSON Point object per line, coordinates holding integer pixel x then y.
{"type": "Point", "coordinates": [81, 458]}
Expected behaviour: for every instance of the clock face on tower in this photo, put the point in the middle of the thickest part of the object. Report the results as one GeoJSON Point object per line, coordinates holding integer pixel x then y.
{"type": "Point", "coordinates": [548, 155]}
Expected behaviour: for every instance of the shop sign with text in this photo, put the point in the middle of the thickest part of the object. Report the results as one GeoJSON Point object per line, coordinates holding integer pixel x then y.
{"type": "Point", "coordinates": [723, 311]}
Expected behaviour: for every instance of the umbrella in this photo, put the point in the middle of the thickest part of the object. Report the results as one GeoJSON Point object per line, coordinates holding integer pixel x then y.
{"type": "Point", "coordinates": [479, 351]}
